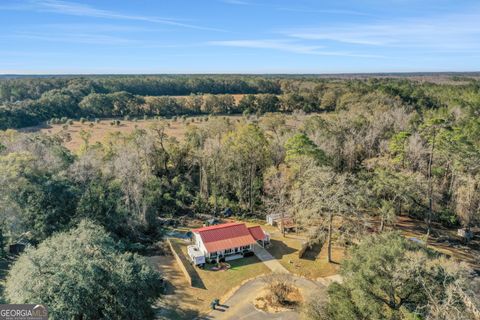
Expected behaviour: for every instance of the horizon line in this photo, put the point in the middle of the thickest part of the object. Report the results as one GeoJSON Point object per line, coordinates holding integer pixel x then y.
{"type": "Point", "coordinates": [243, 73]}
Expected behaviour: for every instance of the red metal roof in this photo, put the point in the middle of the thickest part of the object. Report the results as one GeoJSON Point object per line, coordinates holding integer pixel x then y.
{"type": "Point", "coordinates": [225, 236]}
{"type": "Point", "coordinates": [257, 232]}
{"type": "Point", "coordinates": [217, 226]}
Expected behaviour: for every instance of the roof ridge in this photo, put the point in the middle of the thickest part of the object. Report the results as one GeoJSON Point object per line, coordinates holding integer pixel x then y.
{"type": "Point", "coordinates": [218, 226]}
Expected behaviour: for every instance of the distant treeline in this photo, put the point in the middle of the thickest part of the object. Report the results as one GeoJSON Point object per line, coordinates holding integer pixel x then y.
{"type": "Point", "coordinates": [30, 101]}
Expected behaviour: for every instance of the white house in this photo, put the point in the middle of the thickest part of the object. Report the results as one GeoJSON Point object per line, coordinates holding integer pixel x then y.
{"type": "Point", "coordinates": [227, 241]}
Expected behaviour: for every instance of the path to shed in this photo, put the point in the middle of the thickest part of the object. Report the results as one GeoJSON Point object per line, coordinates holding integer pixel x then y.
{"type": "Point", "coordinates": [269, 260]}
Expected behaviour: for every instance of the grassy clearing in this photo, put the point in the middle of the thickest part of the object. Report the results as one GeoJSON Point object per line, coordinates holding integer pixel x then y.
{"type": "Point", "coordinates": [100, 131]}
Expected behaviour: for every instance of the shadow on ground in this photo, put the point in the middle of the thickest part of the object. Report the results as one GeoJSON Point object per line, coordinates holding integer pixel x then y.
{"type": "Point", "coordinates": [278, 249]}
{"type": "Point", "coordinates": [313, 252]}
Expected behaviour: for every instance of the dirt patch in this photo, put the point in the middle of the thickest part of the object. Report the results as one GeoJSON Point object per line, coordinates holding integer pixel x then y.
{"type": "Point", "coordinates": [265, 302]}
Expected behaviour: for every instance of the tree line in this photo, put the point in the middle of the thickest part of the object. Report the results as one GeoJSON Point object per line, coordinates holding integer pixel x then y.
{"type": "Point", "coordinates": [30, 101]}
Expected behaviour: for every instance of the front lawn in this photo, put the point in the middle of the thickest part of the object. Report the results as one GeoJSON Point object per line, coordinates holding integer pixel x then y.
{"type": "Point", "coordinates": [185, 302]}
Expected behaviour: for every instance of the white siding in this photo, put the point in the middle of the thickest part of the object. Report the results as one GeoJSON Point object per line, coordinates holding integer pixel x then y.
{"type": "Point", "coordinates": [199, 243]}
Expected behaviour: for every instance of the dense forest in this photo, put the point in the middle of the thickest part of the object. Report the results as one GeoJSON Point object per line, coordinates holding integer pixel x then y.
{"type": "Point", "coordinates": [364, 150]}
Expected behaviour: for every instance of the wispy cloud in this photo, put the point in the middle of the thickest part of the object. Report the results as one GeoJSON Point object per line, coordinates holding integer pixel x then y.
{"type": "Point", "coordinates": [450, 32]}
{"type": "Point", "coordinates": [283, 45]}
{"type": "Point", "coordinates": [237, 2]}
{"type": "Point", "coordinates": [326, 11]}
{"type": "Point", "coordinates": [79, 9]}
{"type": "Point", "coordinates": [287, 46]}
{"type": "Point", "coordinates": [85, 38]}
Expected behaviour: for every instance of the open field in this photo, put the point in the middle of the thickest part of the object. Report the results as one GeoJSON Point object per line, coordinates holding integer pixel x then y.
{"type": "Point", "coordinates": [99, 131]}
{"type": "Point", "coordinates": [236, 96]}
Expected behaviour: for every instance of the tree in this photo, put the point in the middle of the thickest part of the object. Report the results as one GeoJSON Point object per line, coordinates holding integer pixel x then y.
{"type": "Point", "coordinates": [431, 129]}
{"type": "Point", "coordinates": [398, 146]}
{"type": "Point", "coordinates": [47, 204]}
{"type": "Point", "coordinates": [82, 274]}
{"type": "Point", "coordinates": [301, 145]}
{"type": "Point", "coordinates": [467, 200]}
{"type": "Point", "coordinates": [323, 195]}
{"type": "Point", "coordinates": [2, 242]}
{"type": "Point", "coordinates": [277, 192]}
{"type": "Point", "coordinates": [274, 125]}
{"type": "Point", "coordinates": [247, 156]}
{"type": "Point", "coordinates": [389, 277]}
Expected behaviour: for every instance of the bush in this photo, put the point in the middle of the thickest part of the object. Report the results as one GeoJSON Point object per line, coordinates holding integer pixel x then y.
{"type": "Point", "coordinates": [279, 287]}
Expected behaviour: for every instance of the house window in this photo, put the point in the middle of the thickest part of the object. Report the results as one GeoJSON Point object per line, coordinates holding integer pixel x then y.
{"type": "Point", "coordinates": [227, 251]}
{"type": "Point", "coordinates": [246, 248]}
{"type": "Point", "coordinates": [213, 255]}
{"type": "Point", "coordinates": [236, 250]}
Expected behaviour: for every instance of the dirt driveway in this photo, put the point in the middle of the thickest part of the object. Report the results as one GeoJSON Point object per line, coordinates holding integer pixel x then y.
{"type": "Point", "coordinates": [240, 305]}
{"type": "Point", "coordinates": [167, 306]}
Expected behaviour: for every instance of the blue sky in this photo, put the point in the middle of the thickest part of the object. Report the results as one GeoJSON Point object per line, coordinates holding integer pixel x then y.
{"type": "Point", "coordinates": [239, 36]}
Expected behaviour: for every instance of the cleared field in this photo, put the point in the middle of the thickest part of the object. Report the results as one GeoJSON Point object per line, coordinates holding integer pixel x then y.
{"type": "Point", "coordinates": [237, 97]}
{"type": "Point", "coordinates": [99, 131]}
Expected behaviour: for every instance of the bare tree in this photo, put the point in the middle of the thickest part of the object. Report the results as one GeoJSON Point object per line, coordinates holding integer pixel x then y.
{"type": "Point", "coordinates": [467, 200]}
{"type": "Point", "coordinates": [276, 188]}
{"type": "Point", "coordinates": [326, 194]}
